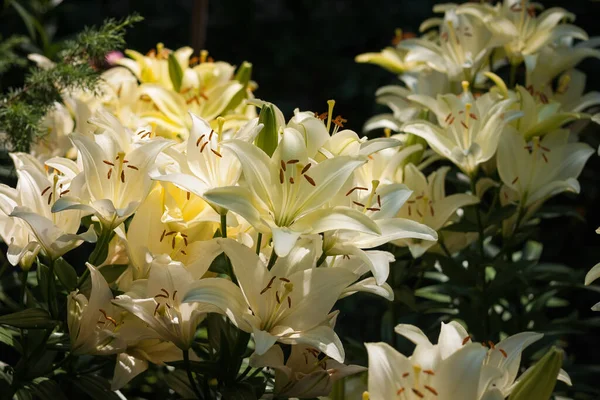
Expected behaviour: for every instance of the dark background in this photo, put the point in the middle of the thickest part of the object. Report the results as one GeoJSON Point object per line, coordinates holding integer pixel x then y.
{"type": "Point", "coordinates": [303, 54]}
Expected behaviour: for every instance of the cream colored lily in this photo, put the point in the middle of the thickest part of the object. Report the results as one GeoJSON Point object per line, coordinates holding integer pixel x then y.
{"type": "Point", "coordinates": [280, 305]}
{"type": "Point", "coordinates": [304, 374]}
{"type": "Point", "coordinates": [526, 31]}
{"type": "Point", "coordinates": [468, 129]}
{"type": "Point", "coordinates": [115, 165]}
{"type": "Point", "coordinates": [394, 376]}
{"type": "Point", "coordinates": [158, 300]}
{"type": "Point", "coordinates": [32, 202]}
{"type": "Point", "coordinates": [534, 171]}
{"type": "Point", "coordinates": [429, 205]}
{"type": "Point", "coordinates": [94, 322]}
{"type": "Point", "coordinates": [285, 194]}
{"type": "Point", "coordinates": [206, 164]}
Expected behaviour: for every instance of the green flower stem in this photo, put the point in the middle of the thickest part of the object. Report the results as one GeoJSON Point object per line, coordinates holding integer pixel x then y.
{"type": "Point", "coordinates": [224, 235]}
{"type": "Point", "coordinates": [188, 370]}
{"type": "Point", "coordinates": [95, 257]}
{"type": "Point", "coordinates": [258, 243]}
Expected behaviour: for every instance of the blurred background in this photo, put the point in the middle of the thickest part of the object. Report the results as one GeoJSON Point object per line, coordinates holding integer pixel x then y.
{"type": "Point", "coordinates": [303, 54]}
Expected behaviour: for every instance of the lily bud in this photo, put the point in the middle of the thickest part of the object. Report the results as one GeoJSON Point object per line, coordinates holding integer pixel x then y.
{"type": "Point", "coordinates": [538, 382]}
{"type": "Point", "coordinates": [243, 75]}
{"type": "Point", "coordinates": [267, 138]}
{"type": "Point", "coordinates": [415, 158]}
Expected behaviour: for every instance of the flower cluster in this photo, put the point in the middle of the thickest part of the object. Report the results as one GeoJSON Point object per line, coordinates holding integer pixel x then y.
{"type": "Point", "coordinates": [226, 234]}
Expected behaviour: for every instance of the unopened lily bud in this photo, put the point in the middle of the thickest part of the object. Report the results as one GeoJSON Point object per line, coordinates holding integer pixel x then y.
{"type": "Point", "coordinates": [538, 382]}
{"type": "Point", "coordinates": [267, 138]}
{"type": "Point", "coordinates": [415, 158]}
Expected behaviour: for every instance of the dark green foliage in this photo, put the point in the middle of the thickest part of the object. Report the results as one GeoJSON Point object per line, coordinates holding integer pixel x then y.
{"type": "Point", "coordinates": [21, 110]}
{"type": "Point", "coordinates": [9, 56]}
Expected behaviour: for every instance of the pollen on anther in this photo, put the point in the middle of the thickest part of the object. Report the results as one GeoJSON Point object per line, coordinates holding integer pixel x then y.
{"type": "Point", "coordinates": [293, 161]}
{"type": "Point", "coordinates": [108, 163]}
{"type": "Point", "coordinates": [133, 167]}
{"type": "Point", "coordinates": [379, 200]}
{"type": "Point", "coordinates": [109, 174]}
{"type": "Point", "coordinates": [216, 153]}
{"type": "Point", "coordinates": [281, 176]}
{"type": "Point", "coordinates": [50, 198]}
{"type": "Point", "coordinates": [503, 353]}
{"type": "Point", "coordinates": [400, 391]}
{"type": "Point", "coordinates": [432, 390]}
{"type": "Point", "coordinates": [291, 180]}
{"type": "Point", "coordinates": [448, 117]}
{"type": "Point", "coordinates": [544, 157]}
{"type": "Point", "coordinates": [306, 168]}
{"type": "Point", "coordinates": [464, 125]}
{"type": "Point", "coordinates": [356, 188]}
{"type": "Point", "coordinates": [45, 190]}
{"type": "Point", "coordinates": [199, 140]}
{"type": "Point", "coordinates": [491, 344]}
{"type": "Point", "coordinates": [310, 180]}
{"type": "Point", "coordinates": [289, 300]}
{"type": "Point", "coordinates": [358, 204]}
{"type": "Point", "coordinates": [429, 372]}
{"type": "Point", "coordinates": [211, 134]}
{"type": "Point", "coordinates": [277, 297]}
{"type": "Point", "coordinates": [373, 209]}
{"type": "Point", "coordinates": [515, 180]}
{"type": "Point", "coordinates": [404, 375]}
{"type": "Point", "coordinates": [283, 165]}
{"type": "Point", "coordinates": [415, 391]}
{"type": "Point", "coordinates": [283, 279]}
{"type": "Point", "coordinates": [123, 176]}
{"type": "Point", "coordinates": [203, 146]}
{"type": "Point", "coordinates": [466, 340]}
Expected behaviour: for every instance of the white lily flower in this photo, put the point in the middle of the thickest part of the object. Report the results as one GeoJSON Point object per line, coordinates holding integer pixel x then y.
{"type": "Point", "coordinates": [158, 300]}
{"type": "Point", "coordinates": [527, 32]}
{"type": "Point", "coordinates": [55, 141]}
{"type": "Point", "coordinates": [464, 45]}
{"type": "Point", "coordinates": [501, 363]}
{"type": "Point", "coordinates": [116, 168]}
{"type": "Point", "coordinates": [393, 59]}
{"type": "Point", "coordinates": [94, 322]}
{"type": "Point", "coordinates": [285, 194]}
{"type": "Point", "coordinates": [304, 374]}
{"type": "Point", "coordinates": [542, 168]}
{"type": "Point", "coordinates": [206, 164]}
{"type": "Point", "coordinates": [32, 202]}
{"type": "Point", "coordinates": [429, 205]}
{"type": "Point", "coordinates": [468, 129]}
{"type": "Point", "coordinates": [394, 376]}
{"type": "Point", "coordinates": [280, 305]}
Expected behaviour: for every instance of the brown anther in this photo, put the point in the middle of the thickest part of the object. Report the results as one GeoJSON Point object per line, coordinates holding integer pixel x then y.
{"type": "Point", "coordinates": [419, 212]}
{"type": "Point", "coordinates": [109, 174]}
{"type": "Point", "coordinates": [445, 36]}
{"type": "Point", "coordinates": [192, 100]}
{"type": "Point", "coordinates": [203, 95]}
{"type": "Point", "coordinates": [146, 134]}
{"type": "Point", "coordinates": [544, 148]}
{"type": "Point", "coordinates": [431, 210]}
{"type": "Point", "coordinates": [466, 340]}
{"type": "Point", "coordinates": [112, 320]}
{"type": "Point", "coordinates": [173, 242]}
{"type": "Point", "coordinates": [415, 391]}
{"type": "Point", "coordinates": [379, 200]}
{"type": "Point", "coordinates": [448, 117]}
{"type": "Point", "coordinates": [289, 300]}
{"type": "Point", "coordinates": [156, 308]}
{"type": "Point", "coordinates": [432, 390]}
{"type": "Point", "coordinates": [310, 180]}
{"type": "Point", "coordinates": [268, 285]}
{"type": "Point", "coordinates": [163, 235]}
{"type": "Point", "coordinates": [404, 375]}
{"type": "Point", "coordinates": [170, 233]}
{"type": "Point", "coordinates": [50, 198]}
{"type": "Point", "coordinates": [544, 157]}
{"type": "Point", "coordinates": [164, 291]}
{"type": "Point", "coordinates": [125, 161]}
{"type": "Point", "coordinates": [358, 204]}
{"type": "Point", "coordinates": [306, 168]}
{"type": "Point", "coordinates": [133, 167]}
{"type": "Point", "coordinates": [514, 180]}
{"type": "Point", "coordinates": [212, 132]}
{"type": "Point", "coordinates": [429, 372]}
{"type": "Point", "coordinates": [216, 153]}
{"type": "Point", "coordinates": [531, 11]}
{"type": "Point", "coordinates": [108, 163]}
{"type": "Point", "coordinates": [322, 116]}
{"type": "Point", "coordinates": [123, 176]}
{"type": "Point", "coordinates": [293, 161]}
{"type": "Point", "coordinates": [283, 166]}
{"type": "Point", "coordinates": [281, 176]}
{"type": "Point", "coordinates": [284, 279]}
{"type": "Point", "coordinates": [199, 140]}
{"type": "Point", "coordinates": [473, 116]}
{"type": "Point", "coordinates": [187, 195]}
{"type": "Point", "coordinates": [503, 353]}
{"type": "Point", "coordinates": [355, 188]}
{"type": "Point", "coordinates": [464, 125]}
{"type": "Point", "coordinates": [400, 391]}
{"type": "Point", "coordinates": [451, 121]}
{"type": "Point", "coordinates": [64, 192]}
{"type": "Point", "coordinates": [373, 209]}
{"type": "Point", "coordinates": [468, 34]}
{"type": "Point", "coordinates": [174, 293]}
{"type": "Point", "coordinates": [168, 306]}
{"type": "Point", "coordinates": [45, 190]}
{"type": "Point", "coordinates": [203, 146]}
{"type": "Point", "coordinates": [291, 180]}
{"type": "Point", "coordinates": [409, 211]}
{"type": "Point", "coordinates": [185, 240]}
{"type": "Point", "coordinates": [183, 252]}
{"type": "Point", "coordinates": [164, 296]}
{"type": "Point", "coordinates": [543, 98]}
{"type": "Point", "coordinates": [117, 157]}
{"type": "Point", "coordinates": [277, 297]}
{"type": "Point", "coordinates": [339, 121]}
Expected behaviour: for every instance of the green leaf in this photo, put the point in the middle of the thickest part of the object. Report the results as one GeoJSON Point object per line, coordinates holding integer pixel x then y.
{"type": "Point", "coordinates": [66, 274]}
{"type": "Point", "coordinates": [175, 72]}
{"type": "Point", "coordinates": [112, 272]}
{"type": "Point", "coordinates": [539, 381]}
{"type": "Point", "coordinates": [178, 381]}
{"type": "Point", "coordinates": [95, 387]}
{"type": "Point", "coordinates": [31, 318]}
{"type": "Point", "coordinates": [500, 214]}
{"type": "Point", "coordinates": [27, 18]}
{"type": "Point", "coordinates": [46, 389]}
{"type": "Point", "coordinates": [8, 337]}
{"type": "Point", "coordinates": [243, 75]}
